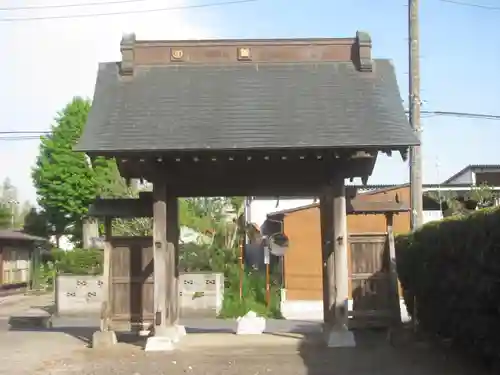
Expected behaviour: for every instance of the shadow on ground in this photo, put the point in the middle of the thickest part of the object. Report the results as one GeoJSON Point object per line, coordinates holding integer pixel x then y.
{"type": "Point", "coordinates": [376, 354]}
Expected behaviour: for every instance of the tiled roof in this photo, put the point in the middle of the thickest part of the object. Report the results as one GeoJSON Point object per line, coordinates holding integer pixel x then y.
{"type": "Point", "coordinates": [246, 106]}
{"type": "Point", "coordinates": [9, 234]}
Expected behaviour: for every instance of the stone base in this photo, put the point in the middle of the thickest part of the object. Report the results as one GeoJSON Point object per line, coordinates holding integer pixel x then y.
{"type": "Point", "coordinates": [31, 318]}
{"type": "Point", "coordinates": [340, 338]}
{"type": "Point", "coordinates": [181, 331]}
{"type": "Point", "coordinates": [174, 334]}
{"type": "Point", "coordinates": [250, 324]}
{"type": "Point", "coordinates": [103, 339]}
{"type": "Point", "coordinates": [159, 344]}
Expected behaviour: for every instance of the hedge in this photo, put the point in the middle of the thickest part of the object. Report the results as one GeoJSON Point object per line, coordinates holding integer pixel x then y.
{"type": "Point", "coordinates": [451, 268]}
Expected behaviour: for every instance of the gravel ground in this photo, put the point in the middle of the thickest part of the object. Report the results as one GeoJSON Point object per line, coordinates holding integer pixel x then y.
{"type": "Point", "coordinates": [63, 351]}
{"type": "Point", "coordinates": [372, 356]}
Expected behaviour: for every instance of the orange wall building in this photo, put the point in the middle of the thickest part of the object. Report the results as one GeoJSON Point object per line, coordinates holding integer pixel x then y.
{"type": "Point", "coordinates": [367, 217]}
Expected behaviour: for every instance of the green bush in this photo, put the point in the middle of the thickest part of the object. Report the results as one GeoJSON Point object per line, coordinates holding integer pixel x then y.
{"type": "Point", "coordinates": [73, 262]}
{"type": "Point", "coordinates": [451, 268]}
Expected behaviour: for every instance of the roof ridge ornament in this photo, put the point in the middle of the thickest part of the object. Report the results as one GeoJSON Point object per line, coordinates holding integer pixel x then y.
{"type": "Point", "coordinates": [364, 44]}
{"type": "Point", "coordinates": [127, 45]}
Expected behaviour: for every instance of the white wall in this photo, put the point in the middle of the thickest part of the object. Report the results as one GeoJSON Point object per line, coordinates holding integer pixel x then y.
{"type": "Point", "coordinates": [260, 207]}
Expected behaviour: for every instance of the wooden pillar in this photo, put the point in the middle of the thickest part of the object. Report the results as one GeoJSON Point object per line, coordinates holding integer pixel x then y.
{"type": "Point", "coordinates": [394, 283]}
{"type": "Point", "coordinates": [327, 256]}
{"type": "Point", "coordinates": [107, 276]}
{"type": "Point", "coordinates": [161, 285]}
{"type": "Point", "coordinates": [172, 229]}
{"type": "Point", "coordinates": [340, 245]}
{"type": "Point", "coordinates": [335, 257]}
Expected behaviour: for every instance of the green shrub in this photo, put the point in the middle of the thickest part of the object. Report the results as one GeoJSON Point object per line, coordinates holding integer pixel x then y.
{"type": "Point", "coordinates": [73, 262]}
{"type": "Point", "coordinates": [253, 295]}
{"type": "Point", "coordinates": [451, 268]}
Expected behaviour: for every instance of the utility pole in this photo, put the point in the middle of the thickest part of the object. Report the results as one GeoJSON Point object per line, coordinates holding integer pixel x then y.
{"type": "Point", "coordinates": [414, 99]}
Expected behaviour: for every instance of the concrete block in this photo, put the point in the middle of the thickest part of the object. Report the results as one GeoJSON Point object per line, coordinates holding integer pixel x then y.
{"type": "Point", "coordinates": [250, 324]}
{"type": "Point", "coordinates": [159, 344]}
{"type": "Point", "coordinates": [173, 333]}
{"type": "Point", "coordinates": [31, 318]}
{"type": "Point", "coordinates": [103, 339]}
{"type": "Point", "coordinates": [340, 338]}
{"type": "Point", "coordinates": [181, 331]}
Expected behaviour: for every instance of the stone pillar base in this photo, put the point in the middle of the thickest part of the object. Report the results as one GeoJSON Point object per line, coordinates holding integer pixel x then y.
{"type": "Point", "coordinates": [165, 337]}
{"type": "Point", "coordinates": [103, 339]}
{"type": "Point", "coordinates": [339, 337]}
{"type": "Point", "coordinates": [159, 344]}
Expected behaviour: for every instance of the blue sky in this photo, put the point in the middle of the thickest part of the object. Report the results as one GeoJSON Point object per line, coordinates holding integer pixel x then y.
{"type": "Point", "coordinates": [49, 61]}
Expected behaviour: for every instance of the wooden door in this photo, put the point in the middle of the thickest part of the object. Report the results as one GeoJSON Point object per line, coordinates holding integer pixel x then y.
{"type": "Point", "coordinates": [370, 280]}
{"type": "Point", "coordinates": [132, 286]}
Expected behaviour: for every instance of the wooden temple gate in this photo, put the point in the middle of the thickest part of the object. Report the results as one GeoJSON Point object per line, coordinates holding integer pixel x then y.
{"type": "Point", "coordinates": [213, 118]}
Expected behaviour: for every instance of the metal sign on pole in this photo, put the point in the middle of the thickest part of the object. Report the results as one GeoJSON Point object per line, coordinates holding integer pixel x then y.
{"type": "Point", "coordinates": [267, 262]}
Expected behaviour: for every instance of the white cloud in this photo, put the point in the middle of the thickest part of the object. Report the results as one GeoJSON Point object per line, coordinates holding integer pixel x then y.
{"type": "Point", "coordinates": [46, 62]}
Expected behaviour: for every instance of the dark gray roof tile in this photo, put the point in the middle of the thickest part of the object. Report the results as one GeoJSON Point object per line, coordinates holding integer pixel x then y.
{"type": "Point", "coordinates": [246, 106]}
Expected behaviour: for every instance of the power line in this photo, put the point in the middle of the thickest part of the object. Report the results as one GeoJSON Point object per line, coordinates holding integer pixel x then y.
{"type": "Point", "coordinates": [21, 138]}
{"type": "Point", "coordinates": [74, 5]}
{"type": "Point", "coordinates": [479, 116]}
{"type": "Point", "coordinates": [24, 132]}
{"type": "Point", "coordinates": [139, 11]}
{"type": "Point", "coordinates": [471, 5]}
{"type": "Point", "coordinates": [463, 115]}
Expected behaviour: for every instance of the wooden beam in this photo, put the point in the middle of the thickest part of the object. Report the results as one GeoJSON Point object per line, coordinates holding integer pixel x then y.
{"type": "Point", "coordinates": [250, 169]}
{"type": "Point", "coordinates": [106, 276]}
{"type": "Point", "coordinates": [160, 255]}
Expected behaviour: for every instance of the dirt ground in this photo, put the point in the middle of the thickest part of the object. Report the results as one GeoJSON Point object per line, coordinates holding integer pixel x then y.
{"type": "Point", "coordinates": [231, 355]}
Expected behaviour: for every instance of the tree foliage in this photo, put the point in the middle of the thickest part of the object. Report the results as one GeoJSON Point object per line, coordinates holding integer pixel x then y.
{"type": "Point", "coordinates": [11, 204]}
{"type": "Point", "coordinates": [36, 223]}
{"type": "Point", "coordinates": [480, 196]}
{"type": "Point", "coordinates": [5, 216]}
{"type": "Point", "coordinates": [65, 181]}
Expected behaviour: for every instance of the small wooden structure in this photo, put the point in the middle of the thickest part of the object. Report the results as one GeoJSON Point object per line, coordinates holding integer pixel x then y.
{"type": "Point", "coordinates": [239, 118]}
{"type": "Point", "coordinates": [373, 285]}
{"type": "Point", "coordinates": [19, 259]}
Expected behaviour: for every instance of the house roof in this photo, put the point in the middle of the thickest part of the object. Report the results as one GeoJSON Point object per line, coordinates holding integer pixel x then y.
{"type": "Point", "coordinates": [355, 207]}
{"type": "Point", "coordinates": [9, 234]}
{"type": "Point", "coordinates": [247, 106]}
{"type": "Point", "coordinates": [472, 167]}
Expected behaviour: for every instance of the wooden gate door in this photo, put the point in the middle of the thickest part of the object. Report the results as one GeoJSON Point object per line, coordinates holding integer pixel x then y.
{"type": "Point", "coordinates": [132, 287]}
{"type": "Point", "coordinates": [370, 280]}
